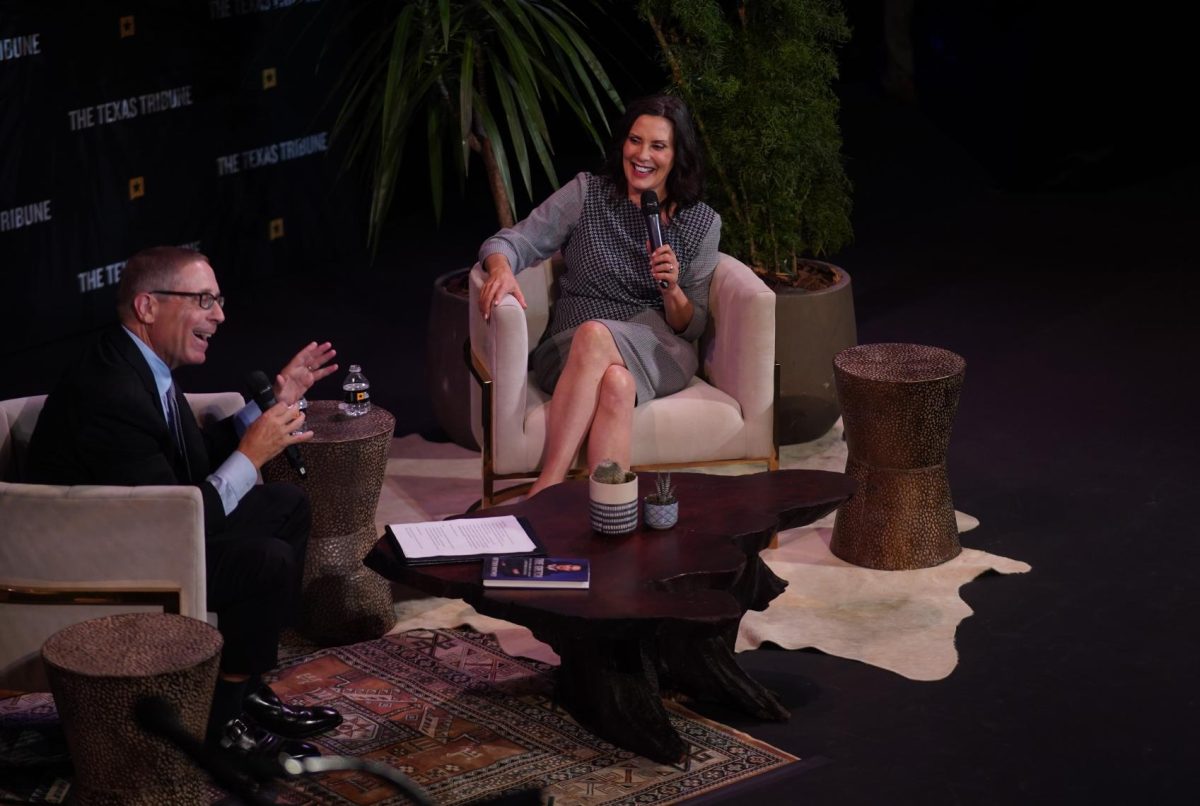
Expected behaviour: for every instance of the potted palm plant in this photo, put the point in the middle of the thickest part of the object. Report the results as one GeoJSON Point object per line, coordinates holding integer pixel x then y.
{"type": "Point", "coordinates": [474, 79]}
{"type": "Point", "coordinates": [758, 77]}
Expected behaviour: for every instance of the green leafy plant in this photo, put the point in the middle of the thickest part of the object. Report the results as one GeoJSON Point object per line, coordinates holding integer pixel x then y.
{"type": "Point", "coordinates": [664, 490]}
{"type": "Point", "coordinates": [758, 76]}
{"type": "Point", "coordinates": [474, 76]}
{"type": "Point", "coordinates": [609, 472]}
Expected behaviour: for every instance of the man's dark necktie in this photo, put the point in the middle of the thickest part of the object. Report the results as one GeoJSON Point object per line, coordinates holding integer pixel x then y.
{"type": "Point", "coordinates": [176, 427]}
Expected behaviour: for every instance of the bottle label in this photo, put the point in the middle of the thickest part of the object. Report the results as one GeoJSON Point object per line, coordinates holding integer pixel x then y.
{"type": "Point", "coordinates": [357, 396]}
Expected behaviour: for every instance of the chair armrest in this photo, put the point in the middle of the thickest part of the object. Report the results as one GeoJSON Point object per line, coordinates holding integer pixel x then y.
{"type": "Point", "coordinates": [114, 538]}
{"type": "Point", "coordinates": [739, 349]}
{"type": "Point", "coordinates": [108, 540]}
{"type": "Point", "coordinates": [502, 345]}
{"type": "Point", "coordinates": [214, 406]}
{"type": "Point", "coordinates": [18, 418]}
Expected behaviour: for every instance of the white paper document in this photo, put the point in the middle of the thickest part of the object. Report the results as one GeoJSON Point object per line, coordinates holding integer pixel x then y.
{"type": "Point", "coordinates": [459, 538]}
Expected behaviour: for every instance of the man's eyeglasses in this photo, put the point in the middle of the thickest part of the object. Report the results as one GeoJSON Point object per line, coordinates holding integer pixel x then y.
{"type": "Point", "coordinates": [205, 299]}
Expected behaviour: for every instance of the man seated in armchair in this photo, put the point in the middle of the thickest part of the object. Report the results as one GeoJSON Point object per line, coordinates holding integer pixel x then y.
{"type": "Point", "coordinates": [118, 418]}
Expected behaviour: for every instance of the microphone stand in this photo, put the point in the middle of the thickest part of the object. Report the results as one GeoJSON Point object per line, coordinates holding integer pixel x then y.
{"type": "Point", "coordinates": [158, 717]}
{"type": "Point", "coordinates": [296, 767]}
{"type": "Point", "coordinates": [307, 766]}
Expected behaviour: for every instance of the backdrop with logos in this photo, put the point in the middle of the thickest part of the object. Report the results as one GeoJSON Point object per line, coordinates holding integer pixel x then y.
{"type": "Point", "coordinates": [204, 123]}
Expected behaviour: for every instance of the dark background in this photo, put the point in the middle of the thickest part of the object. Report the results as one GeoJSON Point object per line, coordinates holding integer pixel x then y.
{"type": "Point", "coordinates": [1056, 99]}
{"type": "Point", "coordinates": [1033, 209]}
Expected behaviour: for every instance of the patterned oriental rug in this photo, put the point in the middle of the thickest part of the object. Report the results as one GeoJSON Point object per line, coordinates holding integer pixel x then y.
{"type": "Point", "coordinates": [450, 710]}
{"type": "Point", "coordinates": [903, 621]}
{"type": "Point", "coordinates": [468, 723]}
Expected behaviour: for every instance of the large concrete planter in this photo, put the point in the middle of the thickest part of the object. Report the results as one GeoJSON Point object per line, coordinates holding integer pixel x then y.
{"type": "Point", "coordinates": [811, 327]}
{"type": "Point", "coordinates": [447, 378]}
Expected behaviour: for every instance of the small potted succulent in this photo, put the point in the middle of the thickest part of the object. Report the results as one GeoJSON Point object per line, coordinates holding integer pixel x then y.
{"type": "Point", "coordinates": [614, 499]}
{"type": "Point", "coordinates": [661, 510]}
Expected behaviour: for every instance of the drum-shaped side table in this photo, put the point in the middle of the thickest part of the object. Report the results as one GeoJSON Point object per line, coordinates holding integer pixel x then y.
{"type": "Point", "coordinates": [898, 405]}
{"type": "Point", "coordinates": [343, 602]}
{"type": "Point", "coordinates": [98, 670]}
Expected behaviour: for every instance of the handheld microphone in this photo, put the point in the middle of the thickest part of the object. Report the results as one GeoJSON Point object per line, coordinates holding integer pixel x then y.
{"type": "Point", "coordinates": [653, 226]}
{"type": "Point", "coordinates": [264, 396]}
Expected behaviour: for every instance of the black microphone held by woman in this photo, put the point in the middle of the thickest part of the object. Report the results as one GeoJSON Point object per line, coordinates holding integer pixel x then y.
{"type": "Point", "coordinates": [653, 225]}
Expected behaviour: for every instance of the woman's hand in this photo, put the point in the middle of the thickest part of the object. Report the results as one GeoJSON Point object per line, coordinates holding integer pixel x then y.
{"type": "Point", "coordinates": [664, 266]}
{"type": "Point", "coordinates": [500, 282]}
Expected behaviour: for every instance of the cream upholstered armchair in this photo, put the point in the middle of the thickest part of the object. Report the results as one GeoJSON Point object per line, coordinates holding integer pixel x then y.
{"type": "Point", "coordinates": [70, 553]}
{"type": "Point", "coordinates": [724, 415]}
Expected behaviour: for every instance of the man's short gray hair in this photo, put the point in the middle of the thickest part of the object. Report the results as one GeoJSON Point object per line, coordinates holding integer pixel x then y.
{"type": "Point", "coordinates": [153, 268]}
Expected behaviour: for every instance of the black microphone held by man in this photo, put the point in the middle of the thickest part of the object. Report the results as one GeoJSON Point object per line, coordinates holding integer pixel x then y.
{"type": "Point", "coordinates": [262, 394]}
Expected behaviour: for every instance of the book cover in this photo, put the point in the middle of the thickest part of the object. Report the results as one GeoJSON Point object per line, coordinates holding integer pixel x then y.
{"type": "Point", "coordinates": [536, 572]}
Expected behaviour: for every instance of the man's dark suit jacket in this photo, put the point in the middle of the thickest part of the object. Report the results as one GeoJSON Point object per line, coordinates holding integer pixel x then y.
{"type": "Point", "coordinates": [104, 424]}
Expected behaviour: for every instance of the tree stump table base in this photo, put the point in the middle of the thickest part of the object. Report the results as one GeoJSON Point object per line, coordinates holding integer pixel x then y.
{"type": "Point", "coordinates": [663, 609]}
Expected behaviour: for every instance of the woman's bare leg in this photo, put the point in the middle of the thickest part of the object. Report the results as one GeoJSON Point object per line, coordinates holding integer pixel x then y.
{"type": "Point", "coordinates": [575, 399]}
{"type": "Point", "coordinates": [612, 426]}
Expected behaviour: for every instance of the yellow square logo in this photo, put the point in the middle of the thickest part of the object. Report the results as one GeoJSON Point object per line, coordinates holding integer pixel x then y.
{"type": "Point", "coordinates": [137, 187]}
{"type": "Point", "coordinates": [269, 78]}
{"type": "Point", "coordinates": [275, 231]}
{"type": "Point", "coordinates": [127, 27]}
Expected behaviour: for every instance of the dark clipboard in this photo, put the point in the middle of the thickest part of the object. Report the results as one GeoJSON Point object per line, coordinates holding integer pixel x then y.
{"type": "Point", "coordinates": [539, 549]}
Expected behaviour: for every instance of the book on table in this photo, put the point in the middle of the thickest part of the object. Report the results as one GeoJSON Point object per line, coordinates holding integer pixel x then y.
{"type": "Point", "coordinates": [536, 572]}
{"type": "Point", "coordinates": [464, 539]}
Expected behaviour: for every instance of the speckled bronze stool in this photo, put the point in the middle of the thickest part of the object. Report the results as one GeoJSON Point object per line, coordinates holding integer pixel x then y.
{"type": "Point", "coordinates": [898, 404]}
{"type": "Point", "coordinates": [343, 601]}
{"type": "Point", "coordinates": [98, 670]}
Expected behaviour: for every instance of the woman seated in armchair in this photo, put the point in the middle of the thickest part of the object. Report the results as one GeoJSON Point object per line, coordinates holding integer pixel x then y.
{"type": "Point", "coordinates": [624, 326]}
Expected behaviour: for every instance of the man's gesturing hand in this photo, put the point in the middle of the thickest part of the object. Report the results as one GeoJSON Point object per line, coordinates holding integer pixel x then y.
{"type": "Point", "coordinates": [306, 368]}
{"type": "Point", "coordinates": [267, 436]}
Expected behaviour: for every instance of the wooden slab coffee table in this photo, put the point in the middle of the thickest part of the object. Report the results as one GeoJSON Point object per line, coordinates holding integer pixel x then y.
{"type": "Point", "coordinates": [663, 609]}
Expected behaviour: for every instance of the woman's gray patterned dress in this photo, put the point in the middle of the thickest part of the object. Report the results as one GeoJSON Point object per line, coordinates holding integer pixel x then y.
{"type": "Point", "coordinates": [603, 241]}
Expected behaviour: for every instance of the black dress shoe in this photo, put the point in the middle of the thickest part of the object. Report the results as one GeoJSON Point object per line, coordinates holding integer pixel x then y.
{"type": "Point", "coordinates": [250, 741]}
{"type": "Point", "coordinates": [289, 721]}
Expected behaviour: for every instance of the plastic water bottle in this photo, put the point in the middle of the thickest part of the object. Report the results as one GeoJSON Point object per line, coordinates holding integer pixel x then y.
{"type": "Point", "coordinates": [358, 393]}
